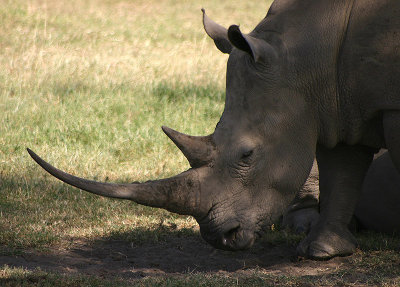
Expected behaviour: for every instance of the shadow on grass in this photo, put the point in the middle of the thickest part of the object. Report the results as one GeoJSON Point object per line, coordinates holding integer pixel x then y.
{"type": "Point", "coordinates": [183, 254]}
{"type": "Point", "coordinates": [181, 251]}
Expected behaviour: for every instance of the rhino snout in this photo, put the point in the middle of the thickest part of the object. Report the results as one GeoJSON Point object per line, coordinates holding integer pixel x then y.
{"type": "Point", "coordinates": [238, 239]}
{"type": "Point", "coordinates": [233, 238]}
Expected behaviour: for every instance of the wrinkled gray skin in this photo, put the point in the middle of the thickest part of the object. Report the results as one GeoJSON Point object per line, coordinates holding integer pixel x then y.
{"type": "Point", "coordinates": [303, 212]}
{"type": "Point", "coordinates": [314, 78]}
{"type": "Point", "coordinates": [378, 208]}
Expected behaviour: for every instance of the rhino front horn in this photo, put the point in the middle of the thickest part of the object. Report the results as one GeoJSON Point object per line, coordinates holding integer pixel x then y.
{"type": "Point", "coordinates": [179, 194]}
{"type": "Point", "coordinates": [197, 150]}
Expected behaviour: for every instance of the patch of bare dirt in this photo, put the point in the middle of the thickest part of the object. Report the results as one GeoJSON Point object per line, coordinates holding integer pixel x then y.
{"type": "Point", "coordinates": [173, 256]}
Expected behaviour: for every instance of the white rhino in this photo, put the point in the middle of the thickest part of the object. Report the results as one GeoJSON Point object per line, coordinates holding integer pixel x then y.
{"type": "Point", "coordinates": [315, 78]}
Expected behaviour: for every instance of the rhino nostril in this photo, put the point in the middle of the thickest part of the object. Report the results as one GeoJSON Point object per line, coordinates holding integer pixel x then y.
{"type": "Point", "coordinates": [230, 236]}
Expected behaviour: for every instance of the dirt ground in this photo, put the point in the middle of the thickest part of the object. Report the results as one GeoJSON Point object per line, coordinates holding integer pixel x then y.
{"type": "Point", "coordinates": [172, 257]}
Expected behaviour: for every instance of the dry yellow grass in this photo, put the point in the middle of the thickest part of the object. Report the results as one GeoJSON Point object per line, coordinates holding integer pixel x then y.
{"type": "Point", "coordinates": [87, 84]}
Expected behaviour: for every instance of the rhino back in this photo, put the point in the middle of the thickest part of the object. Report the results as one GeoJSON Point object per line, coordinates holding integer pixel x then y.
{"type": "Point", "coordinates": [369, 69]}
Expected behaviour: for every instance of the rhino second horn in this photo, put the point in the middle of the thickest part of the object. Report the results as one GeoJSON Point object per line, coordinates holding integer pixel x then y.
{"type": "Point", "coordinates": [179, 194]}
{"type": "Point", "coordinates": [197, 150]}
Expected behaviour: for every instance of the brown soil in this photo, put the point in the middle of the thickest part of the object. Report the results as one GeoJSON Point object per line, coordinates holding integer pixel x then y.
{"type": "Point", "coordinates": [173, 256]}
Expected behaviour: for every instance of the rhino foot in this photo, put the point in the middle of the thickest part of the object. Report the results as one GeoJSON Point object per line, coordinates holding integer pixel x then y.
{"type": "Point", "coordinates": [327, 242]}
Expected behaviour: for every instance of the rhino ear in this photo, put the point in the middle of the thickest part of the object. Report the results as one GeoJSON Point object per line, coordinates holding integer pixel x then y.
{"type": "Point", "coordinates": [253, 46]}
{"type": "Point", "coordinates": [218, 33]}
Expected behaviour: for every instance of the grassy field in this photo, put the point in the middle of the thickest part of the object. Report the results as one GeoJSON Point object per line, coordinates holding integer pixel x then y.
{"type": "Point", "coordinates": [87, 85]}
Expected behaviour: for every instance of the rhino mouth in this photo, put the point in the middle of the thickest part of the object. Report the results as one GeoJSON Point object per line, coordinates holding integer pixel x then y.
{"type": "Point", "coordinates": [238, 239]}
{"type": "Point", "coordinates": [232, 237]}
{"type": "Point", "coordinates": [232, 240]}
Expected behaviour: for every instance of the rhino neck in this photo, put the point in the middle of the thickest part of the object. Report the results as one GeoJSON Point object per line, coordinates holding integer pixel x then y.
{"type": "Point", "coordinates": [313, 33]}
{"type": "Point", "coordinates": [369, 71]}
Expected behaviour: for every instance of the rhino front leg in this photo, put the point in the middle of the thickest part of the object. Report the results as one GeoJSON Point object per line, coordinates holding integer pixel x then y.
{"type": "Point", "coordinates": [341, 173]}
{"type": "Point", "coordinates": [303, 213]}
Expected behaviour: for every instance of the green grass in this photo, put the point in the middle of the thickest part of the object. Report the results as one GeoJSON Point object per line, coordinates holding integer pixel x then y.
{"type": "Point", "coordinates": [10, 277]}
{"type": "Point", "coordinates": [372, 270]}
{"type": "Point", "coordinates": [87, 85]}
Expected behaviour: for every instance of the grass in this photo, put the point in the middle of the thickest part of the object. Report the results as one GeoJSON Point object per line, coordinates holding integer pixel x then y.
{"type": "Point", "coordinates": [10, 277]}
{"type": "Point", "coordinates": [372, 270]}
{"type": "Point", "coordinates": [19, 277]}
{"type": "Point", "coordinates": [87, 85]}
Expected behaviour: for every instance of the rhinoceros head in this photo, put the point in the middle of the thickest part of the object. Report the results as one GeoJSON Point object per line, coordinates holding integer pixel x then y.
{"type": "Point", "coordinates": [245, 174]}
